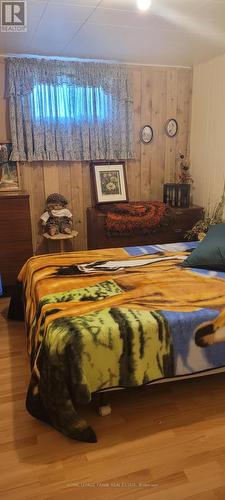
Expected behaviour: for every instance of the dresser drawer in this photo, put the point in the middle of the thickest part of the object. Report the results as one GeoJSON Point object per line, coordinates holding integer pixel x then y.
{"type": "Point", "coordinates": [12, 258]}
{"type": "Point", "coordinates": [188, 215]}
{"type": "Point", "coordinates": [183, 219]}
{"type": "Point", "coordinates": [14, 219]}
{"type": "Point", "coordinates": [15, 234]}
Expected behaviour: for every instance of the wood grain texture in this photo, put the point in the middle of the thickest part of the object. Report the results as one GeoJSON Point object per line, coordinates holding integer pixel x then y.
{"type": "Point", "coordinates": [15, 234]}
{"type": "Point", "coordinates": [159, 93]}
{"type": "Point", "coordinates": [161, 442]}
{"type": "Point", "coordinates": [170, 146]}
{"type": "Point", "coordinates": [134, 166]}
{"type": "Point", "coordinates": [181, 221]}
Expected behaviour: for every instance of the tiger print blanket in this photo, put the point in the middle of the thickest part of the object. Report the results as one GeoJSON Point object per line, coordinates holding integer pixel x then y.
{"type": "Point", "coordinates": [101, 319]}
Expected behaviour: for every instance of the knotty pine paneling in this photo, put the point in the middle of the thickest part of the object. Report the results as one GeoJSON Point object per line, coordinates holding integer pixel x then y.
{"type": "Point", "coordinates": [159, 93]}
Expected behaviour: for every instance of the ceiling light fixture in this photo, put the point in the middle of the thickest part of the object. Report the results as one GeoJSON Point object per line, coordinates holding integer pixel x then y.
{"type": "Point", "coordinates": [144, 4]}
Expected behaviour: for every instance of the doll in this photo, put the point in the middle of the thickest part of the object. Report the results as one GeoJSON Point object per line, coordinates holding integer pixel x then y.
{"type": "Point", "coordinates": [57, 218]}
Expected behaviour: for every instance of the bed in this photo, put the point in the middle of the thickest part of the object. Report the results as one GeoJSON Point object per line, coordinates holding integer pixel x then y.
{"type": "Point", "coordinates": [112, 318]}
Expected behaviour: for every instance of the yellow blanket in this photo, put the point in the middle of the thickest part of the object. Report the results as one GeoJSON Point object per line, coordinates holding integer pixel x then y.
{"type": "Point", "coordinates": [100, 319]}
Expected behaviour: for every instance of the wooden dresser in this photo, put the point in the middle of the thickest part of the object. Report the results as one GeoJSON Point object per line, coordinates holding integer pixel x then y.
{"type": "Point", "coordinates": [182, 219]}
{"type": "Point", "coordinates": [15, 234]}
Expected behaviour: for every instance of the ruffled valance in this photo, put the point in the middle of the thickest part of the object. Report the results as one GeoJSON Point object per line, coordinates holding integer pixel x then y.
{"type": "Point", "coordinates": [23, 74]}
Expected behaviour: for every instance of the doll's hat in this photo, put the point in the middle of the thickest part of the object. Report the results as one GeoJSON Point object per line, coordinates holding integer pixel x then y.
{"type": "Point", "coordinates": [56, 198]}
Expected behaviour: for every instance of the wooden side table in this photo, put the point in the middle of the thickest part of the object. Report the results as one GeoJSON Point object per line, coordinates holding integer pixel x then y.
{"type": "Point", "coordinates": [61, 238]}
{"type": "Point", "coordinates": [181, 220]}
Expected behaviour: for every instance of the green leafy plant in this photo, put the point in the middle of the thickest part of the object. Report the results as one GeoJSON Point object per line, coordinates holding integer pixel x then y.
{"type": "Point", "coordinates": [199, 230]}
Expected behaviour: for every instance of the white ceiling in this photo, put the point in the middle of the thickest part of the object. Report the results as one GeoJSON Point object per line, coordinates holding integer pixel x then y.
{"type": "Point", "coordinates": [172, 32]}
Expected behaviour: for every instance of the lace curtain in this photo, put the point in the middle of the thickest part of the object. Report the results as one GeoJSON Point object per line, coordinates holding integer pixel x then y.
{"type": "Point", "coordinates": [66, 110]}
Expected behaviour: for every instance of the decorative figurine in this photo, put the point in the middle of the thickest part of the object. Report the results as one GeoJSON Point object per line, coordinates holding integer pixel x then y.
{"type": "Point", "coordinates": [57, 218]}
{"type": "Point", "coordinates": [184, 176]}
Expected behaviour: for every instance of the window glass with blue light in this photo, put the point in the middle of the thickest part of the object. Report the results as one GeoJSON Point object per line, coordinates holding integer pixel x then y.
{"type": "Point", "coordinates": [70, 102]}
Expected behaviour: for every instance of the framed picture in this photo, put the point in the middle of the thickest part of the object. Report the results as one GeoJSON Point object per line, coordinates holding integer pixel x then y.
{"type": "Point", "coordinates": [109, 182]}
{"type": "Point", "coordinates": [171, 127]}
{"type": "Point", "coordinates": [146, 134]}
{"type": "Point", "coordinates": [9, 170]}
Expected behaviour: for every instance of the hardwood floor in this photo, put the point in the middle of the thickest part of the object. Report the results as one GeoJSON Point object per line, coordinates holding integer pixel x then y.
{"type": "Point", "coordinates": [165, 442]}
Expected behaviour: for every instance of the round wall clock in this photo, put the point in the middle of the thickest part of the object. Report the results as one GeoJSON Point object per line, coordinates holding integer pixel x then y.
{"type": "Point", "coordinates": [146, 134]}
{"type": "Point", "coordinates": [171, 127]}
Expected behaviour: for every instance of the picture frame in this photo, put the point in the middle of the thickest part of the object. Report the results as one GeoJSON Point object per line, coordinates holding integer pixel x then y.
{"type": "Point", "coordinates": [9, 170]}
{"type": "Point", "coordinates": [171, 127]}
{"type": "Point", "coordinates": [109, 182]}
{"type": "Point", "coordinates": [146, 134]}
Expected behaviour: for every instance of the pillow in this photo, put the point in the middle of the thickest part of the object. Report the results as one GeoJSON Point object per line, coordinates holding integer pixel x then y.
{"type": "Point", "coordinates": [210, 253]}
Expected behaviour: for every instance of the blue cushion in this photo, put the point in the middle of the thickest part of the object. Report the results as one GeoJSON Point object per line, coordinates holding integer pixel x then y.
{"type": "Point", "coordinates": [210, 253]}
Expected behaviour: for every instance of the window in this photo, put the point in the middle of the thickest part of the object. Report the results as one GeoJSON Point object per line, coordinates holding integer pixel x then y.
{"type": "Point", "coordinates": [69, 110]}
{"type": "Point", "coordinates": [70, 102]}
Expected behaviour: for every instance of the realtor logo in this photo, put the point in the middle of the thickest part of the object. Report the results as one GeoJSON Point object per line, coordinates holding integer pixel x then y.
{"type": "Point", "coordinates": [13, 16]}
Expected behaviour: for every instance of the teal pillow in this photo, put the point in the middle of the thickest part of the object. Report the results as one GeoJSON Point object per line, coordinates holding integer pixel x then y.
{"type": "Point", "coordinates": [210, 253]}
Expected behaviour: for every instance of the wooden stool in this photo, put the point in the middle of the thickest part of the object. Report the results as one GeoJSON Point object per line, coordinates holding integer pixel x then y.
{"type": "Point", "coordinates": [61, 238]}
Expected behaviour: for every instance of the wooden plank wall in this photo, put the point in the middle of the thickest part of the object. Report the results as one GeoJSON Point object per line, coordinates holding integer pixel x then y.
{"type": "Point", "coordinates": [159, 93]}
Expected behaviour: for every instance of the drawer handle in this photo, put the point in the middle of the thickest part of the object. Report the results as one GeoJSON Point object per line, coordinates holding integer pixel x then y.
{"type": "Point", "coordinates": [178, 230]}
{"type": "Point", "coordinates": [179, 212]}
